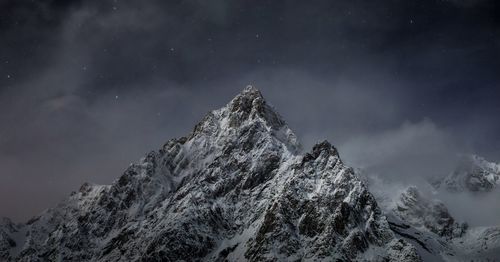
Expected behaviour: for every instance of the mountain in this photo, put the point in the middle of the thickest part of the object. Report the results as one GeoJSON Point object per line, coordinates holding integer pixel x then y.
{"type": "Point", "coordinates": [420, 218]}
{"type": "Point", "coordinates": [428, 224]}
{"type": "Point", "coordinates": [472, 174]}
{"type": "Point", "coordinates": [237, 188]}
{"type": "Point", "coordinates": [428, 215]}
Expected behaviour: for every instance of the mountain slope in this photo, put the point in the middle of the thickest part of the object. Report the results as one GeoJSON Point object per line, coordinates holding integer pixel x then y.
{"type": "Point", "coordinates": [236, 188]}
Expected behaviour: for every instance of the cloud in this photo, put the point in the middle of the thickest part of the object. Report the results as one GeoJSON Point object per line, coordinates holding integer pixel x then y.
{"type": "Point", "coordinates": [475, 209]}
{"type": "Point", "coordinates": [413, 152]}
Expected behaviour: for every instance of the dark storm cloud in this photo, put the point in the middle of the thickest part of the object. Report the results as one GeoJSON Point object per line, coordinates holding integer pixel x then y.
{"type": "Point", "coordinates": [88, 86]}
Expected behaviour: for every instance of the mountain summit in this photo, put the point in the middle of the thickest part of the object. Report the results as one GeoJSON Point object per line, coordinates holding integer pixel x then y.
{"type": "Point", "coordinates": [237, 188]}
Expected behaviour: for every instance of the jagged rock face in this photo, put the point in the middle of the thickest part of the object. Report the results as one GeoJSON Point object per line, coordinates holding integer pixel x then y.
{"type": "Point", "coordinates": [431, 215]}
{"type": "Point", "coordinates": [236, 188]}
{"type": "Point", "coordinates": [473, 174]}
{"type": "Point", "coordinates": [321, 214]}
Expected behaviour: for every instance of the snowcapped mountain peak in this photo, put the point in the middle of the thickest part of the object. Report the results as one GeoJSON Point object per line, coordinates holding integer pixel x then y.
{"type": "Point", "coordinates": [480, 161]}
{"type": "Point", "coordinates": [237, 188]}
{"type": "Point", "coordinates": [247, 117]}
{"type": "Point", "coordinates": [251, 105]}
{"type": "Point", "coordinates": [473, 173]}
{"type": "Point", "coordinates": [251, 90]}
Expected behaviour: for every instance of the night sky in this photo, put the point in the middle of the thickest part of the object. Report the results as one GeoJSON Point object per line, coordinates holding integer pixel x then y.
{"type": "Point", "coordinates": [87, 87]}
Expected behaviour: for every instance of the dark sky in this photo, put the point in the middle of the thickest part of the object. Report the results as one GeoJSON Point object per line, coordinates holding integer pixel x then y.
{"type": "Point", "coordinates": [86, 87]}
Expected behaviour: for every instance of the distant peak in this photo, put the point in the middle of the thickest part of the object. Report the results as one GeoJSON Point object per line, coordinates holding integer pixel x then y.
{"type": "Point", "coordinates": [250, 89]}
{"type": "Point", "coordinates": [249, 95]}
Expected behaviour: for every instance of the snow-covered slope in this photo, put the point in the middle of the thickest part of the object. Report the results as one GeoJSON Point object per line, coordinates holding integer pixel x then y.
{"type": "Point", "coordinates": [237, 188]}
{"type": "Point", "coordinates": [473, 174]}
